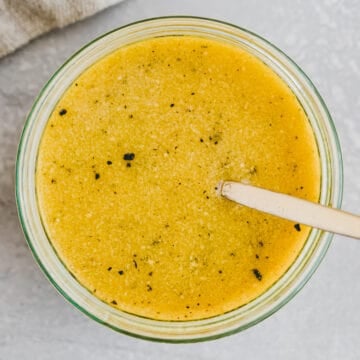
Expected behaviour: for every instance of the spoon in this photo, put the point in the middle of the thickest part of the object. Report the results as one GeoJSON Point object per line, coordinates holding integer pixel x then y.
{"type": "Point", "coordinates": [292, 208]}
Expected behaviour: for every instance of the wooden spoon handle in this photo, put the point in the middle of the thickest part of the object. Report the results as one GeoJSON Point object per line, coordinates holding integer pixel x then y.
{"type": "Point", "coordinates": [292, 208]}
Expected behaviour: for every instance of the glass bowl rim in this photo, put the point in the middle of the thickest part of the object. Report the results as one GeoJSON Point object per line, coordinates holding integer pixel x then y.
{"type": "Point", "coordinates": [326, 241]}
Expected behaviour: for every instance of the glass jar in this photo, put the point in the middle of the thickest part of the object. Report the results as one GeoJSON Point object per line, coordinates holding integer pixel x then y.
{"type": "Point", "coordinates": [182, 331]}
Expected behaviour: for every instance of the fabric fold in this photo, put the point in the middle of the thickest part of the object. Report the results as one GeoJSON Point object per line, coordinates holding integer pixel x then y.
{"type": "Point", "coordinates": [22, 21]}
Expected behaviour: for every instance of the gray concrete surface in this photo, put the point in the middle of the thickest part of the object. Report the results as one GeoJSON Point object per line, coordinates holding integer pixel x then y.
{"type": "Point", "coordinates": [322, 322]}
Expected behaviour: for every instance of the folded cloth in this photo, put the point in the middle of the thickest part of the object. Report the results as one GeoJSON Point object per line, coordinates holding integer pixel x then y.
{"type": "Point", "coordinates": [23, 20]}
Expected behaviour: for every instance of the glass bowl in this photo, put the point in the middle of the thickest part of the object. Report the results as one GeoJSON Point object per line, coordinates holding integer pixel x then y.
{"type": "Point", "coordinates": [182, 331]}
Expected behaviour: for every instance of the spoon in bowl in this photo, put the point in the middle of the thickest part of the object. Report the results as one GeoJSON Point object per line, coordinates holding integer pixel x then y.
{"type": "Point", "coordinates": [292, 208]}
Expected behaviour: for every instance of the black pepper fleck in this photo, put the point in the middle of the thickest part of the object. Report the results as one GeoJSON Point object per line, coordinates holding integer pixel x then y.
{"type": "Point", "coordinates": [149, 288]}
{"type": "Point", "coordinates": [109, 268]}
{"type": "Point", "coordinates": [62, 112]}
{"type": "Point", "coordinates": [129, 156]}
{"type": "Point", "coordinates": [114, 302]}
{"type": "Point", "coordinates": [150, 273]}
{"type": "Point", "coordinates": [109, 162]}
{"type": "Point", "coordinates": [97, 176]}
{"type": "Point", "coordinates": [135, 264]}
{"type": "Point", "coordinates": [172, 105]}
{"type": "Point", "coordinates": [297, 227]}
{"type": "Point", "coordinates": [257, 274]}
{"type": "Point", "coordinates": [121, 272]}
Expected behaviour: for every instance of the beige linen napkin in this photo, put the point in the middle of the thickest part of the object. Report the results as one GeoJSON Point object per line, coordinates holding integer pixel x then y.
{"type": "Point", "coordinates": [23, 20]}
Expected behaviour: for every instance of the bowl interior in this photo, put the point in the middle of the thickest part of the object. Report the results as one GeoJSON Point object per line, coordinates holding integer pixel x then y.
{"type": "Point", "coordinates": [190, 331]}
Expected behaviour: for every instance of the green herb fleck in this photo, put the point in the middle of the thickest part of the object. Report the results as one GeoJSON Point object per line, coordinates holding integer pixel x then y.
{"type": "Point", "coordinates": [253, 170]}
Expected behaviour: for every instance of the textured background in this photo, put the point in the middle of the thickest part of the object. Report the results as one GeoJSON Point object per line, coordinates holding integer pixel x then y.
{"type": "Point", "coordinates": [322, 322]}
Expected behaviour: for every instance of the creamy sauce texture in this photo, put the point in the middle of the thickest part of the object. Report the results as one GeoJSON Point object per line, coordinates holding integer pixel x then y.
{"type": "Point", "coordinates": [128, 165]}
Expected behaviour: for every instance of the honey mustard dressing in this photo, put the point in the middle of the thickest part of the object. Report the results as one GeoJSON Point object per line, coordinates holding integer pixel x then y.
{"type": "Point", "coordinates": [127, 172]}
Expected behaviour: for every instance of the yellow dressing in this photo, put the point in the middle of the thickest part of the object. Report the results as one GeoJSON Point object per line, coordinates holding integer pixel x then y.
{"type": "Point", "coordinates": [127, 170]}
